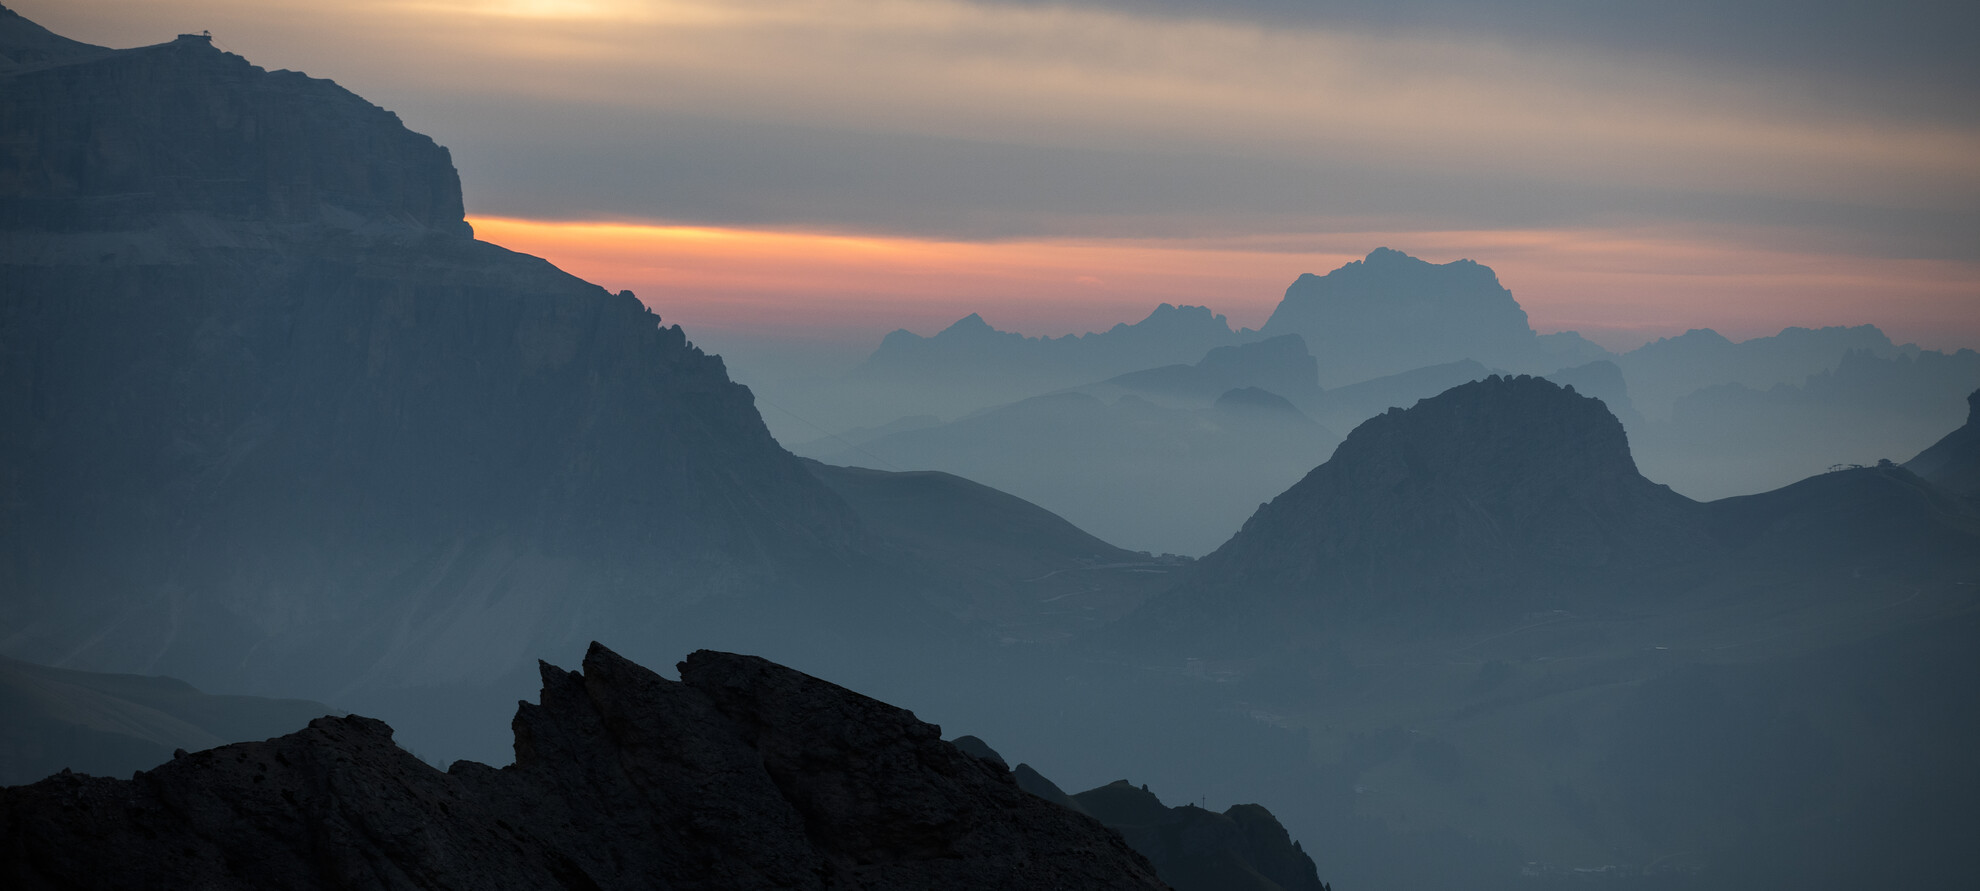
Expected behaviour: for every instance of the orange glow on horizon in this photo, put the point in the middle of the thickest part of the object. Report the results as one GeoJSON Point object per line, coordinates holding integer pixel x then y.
{"type": "Point", "coordinates": [1619, 288]}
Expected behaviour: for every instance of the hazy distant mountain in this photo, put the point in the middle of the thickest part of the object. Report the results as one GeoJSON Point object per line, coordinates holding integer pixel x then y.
{"type": "Point", "coordinates": [1664, 370]}
{"type": "Point", "coordinates": [114, 724]}
{"type": "Point", "coordinates": [1279, 365]}
{"type": "Point", "coordinates": [970, 366]}
{"type": "Point", "coordinates": [971, 347]}
{"type": "Point", "coordinates": [1603, 380]}
{"type": "Point", "coordinates": [1146, 476]}
{"type": "Point", "coordinates": [743, 774]}
{"type": "Point", "coordinates": [272, 420]}
{"type": "Point", "coordinates": [1953, 463]}
{"type": "Point", "coordinates": [1392, 312]}
{"type": "Point", "coordinates": [1734, 439]}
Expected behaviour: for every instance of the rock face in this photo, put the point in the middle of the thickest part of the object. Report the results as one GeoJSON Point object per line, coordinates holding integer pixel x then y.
{"type": "Point", "coordinates": [744, 774]}
{"type": "Point", "coordinates": [1392, 312]}
{"type": "Point", "coordinates": [1953, 463]}
{"type": "Point", "coordinates": [271, 420]}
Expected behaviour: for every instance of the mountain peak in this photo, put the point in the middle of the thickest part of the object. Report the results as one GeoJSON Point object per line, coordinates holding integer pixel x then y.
{"type": "Point", "coordinates": [1500, 493]}
{"type": "Point", "coordinates": [1392, 312]}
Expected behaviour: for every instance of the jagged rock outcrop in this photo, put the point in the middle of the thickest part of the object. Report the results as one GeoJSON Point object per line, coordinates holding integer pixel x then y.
{"type": "Point", "coordinates": [744, 774]}
{"type": "Point", "coordinates": [1392, 312]}
{"type": "Point", "coordinates": [1242, 849]}
{"type": "Point", "coordinates": [1953, 463]}
{"type": "Point", "coordinates": [271, 420]}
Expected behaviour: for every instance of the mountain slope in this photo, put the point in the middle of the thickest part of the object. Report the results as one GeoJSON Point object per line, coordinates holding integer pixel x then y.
{"type": "Point", "coordinates": [1505, 494]}
{"type": "Point", "coordinates": [743, 774]}
{"type": "Point", "coordinates": [1953, 463]}
{"type": "Point", "coordinates": [272, 420]}
{"type": "Point", "coordinates": [111, 725]}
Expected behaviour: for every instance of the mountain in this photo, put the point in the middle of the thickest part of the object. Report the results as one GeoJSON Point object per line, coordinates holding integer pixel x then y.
{"type": "Point", "coordinates": [995, 558]}
{"type": "Point", "coordinates": [1666, 369]}
{"type": "Point", "coordinates": [1243, 849]}
{"type": "Point", "coordinates": [272, 421]}
{"type": "Point", "coordinates": [1505, 494]}
{"type": "Point", "coordinates": [1192, 849]}
{"type": "Point", "coordinates": [1953, 463]}
{"type": "Point", "coordinates": [1143, 475]}
{"type": "Point", "coordinates": [1279, 365]}
{"type": "Point", "coordinates": [971, 366]}
{"type": "Point", "coordinates": [24, 43]}
{"type": "Point", "coordinates": [114, 724]}
{"type": "Point", "coordinates": [1733, 439]}
{"type": "Point", "coordinates": [1392, 312]}
{"type": "Point", "coordinates": [1508, 647]}
{"type": "Point", "coordinates": [971, 347]}
{"type": "Point", "coordinates": [743, 774]}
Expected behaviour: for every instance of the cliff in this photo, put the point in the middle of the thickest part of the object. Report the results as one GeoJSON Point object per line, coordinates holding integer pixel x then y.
{"type": "Point", "coordinates": [271, 420]}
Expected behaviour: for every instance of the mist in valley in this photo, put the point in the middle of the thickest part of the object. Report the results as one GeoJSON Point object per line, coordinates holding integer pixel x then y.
{"type": "Point", "coordinates": [1395, 591]}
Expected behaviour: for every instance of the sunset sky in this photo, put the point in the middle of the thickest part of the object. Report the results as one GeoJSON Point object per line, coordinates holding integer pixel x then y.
{"type": "Point", "coordinates": [838, 168]}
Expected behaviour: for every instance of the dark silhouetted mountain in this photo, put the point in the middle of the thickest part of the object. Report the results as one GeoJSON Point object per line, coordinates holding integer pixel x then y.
{"type": "Point", "coordinates": [743, 774]}
{"type": "Point", "coordinates": [994, 558]}
{"type": "Point", "coordinates": [272, 421]}
{"type": "Point", "coordinates": [1193, 849]}
{"type": "Point", "coordinates": [1733, 439]}
{"type": "Point", "coordinates": [1662, 371]}
{"type": "Point", "coordinates": [1953, 463]}
{"type": "Point", "coordinates": [1146, 476]}
{"type": "Point", "coordinates": [1278, 364]}
{"type": "Point", "coordinates": [1392, 312]}
{"type": "Point", "coordinates": [1244, 848]}
{"type": "Point", "coordinates": [114, 724]}
{"type": "Point", "coordinates": [1489, 609]}
{"type": "Point", "coordinates": [1501, 494]}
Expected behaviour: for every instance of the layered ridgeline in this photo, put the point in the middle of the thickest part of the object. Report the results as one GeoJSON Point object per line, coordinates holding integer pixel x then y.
{"type": "Point", "coordinates": [271, 419]}
{"type": "Point", "coordinates": [743, 774]}
{"type": "Point", "coordinates": [1496, 630]}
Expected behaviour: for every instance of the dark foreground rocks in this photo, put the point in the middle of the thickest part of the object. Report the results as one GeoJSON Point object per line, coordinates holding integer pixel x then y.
{"type": "Point", "coordinates": [743, 774]}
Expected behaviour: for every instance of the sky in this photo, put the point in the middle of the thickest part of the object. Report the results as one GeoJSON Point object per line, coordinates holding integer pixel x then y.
{"type": "Point", "coordinates": [833, 169]}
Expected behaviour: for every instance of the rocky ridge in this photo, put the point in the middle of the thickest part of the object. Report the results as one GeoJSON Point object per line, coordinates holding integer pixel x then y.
{"type": "Point", "coordinates": [743, 774]}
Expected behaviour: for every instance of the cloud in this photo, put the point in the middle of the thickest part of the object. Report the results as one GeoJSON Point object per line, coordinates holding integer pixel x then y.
{"type": "Point", "coordinates": [993, 120]}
